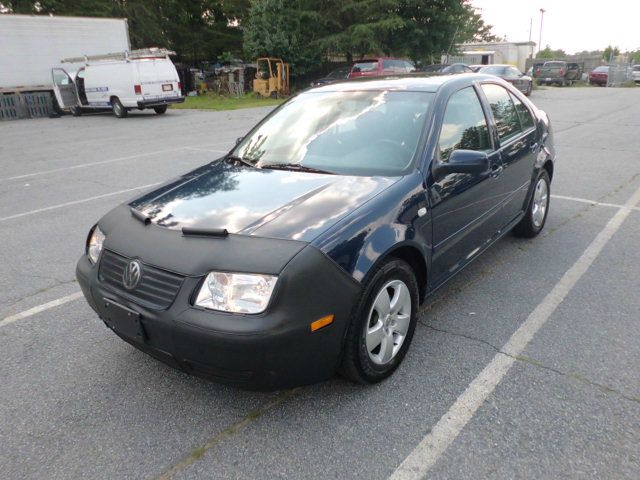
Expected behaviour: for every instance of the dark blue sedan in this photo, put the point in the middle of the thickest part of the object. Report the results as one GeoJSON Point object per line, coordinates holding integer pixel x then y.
{"type": "Point", "coordinates": [308, 249]}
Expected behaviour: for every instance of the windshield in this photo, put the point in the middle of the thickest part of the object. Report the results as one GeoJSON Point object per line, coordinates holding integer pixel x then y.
{"type": "Point", "coordinates": [601, 69]}
{"type": "Point", "coordinates": [352, 133]}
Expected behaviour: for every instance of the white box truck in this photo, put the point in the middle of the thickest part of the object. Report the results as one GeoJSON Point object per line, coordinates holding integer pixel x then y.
{"type": "Point", "coordinates": [31, 45]}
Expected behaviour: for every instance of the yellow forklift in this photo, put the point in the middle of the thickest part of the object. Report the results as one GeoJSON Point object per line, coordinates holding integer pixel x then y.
{"type": "Point", "coordinates": [272, 78]}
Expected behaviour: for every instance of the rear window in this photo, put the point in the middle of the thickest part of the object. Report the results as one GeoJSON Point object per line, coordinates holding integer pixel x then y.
{"type": "Point", "coordinates": [365, 66]}
{"type": "Point", "coordinates": [554, 64]}
{"type": "Point", "coordinates": [493, 70]}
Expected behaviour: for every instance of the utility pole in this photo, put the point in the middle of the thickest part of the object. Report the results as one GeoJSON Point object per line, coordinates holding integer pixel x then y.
{"type": "Point", "coordinates": [531, 49]}
{"type": "Point", "coordinates": [542, 10]}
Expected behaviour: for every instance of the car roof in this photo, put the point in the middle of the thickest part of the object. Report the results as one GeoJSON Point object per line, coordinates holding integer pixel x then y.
{"type": "Point", "coordinates": [412, 82]}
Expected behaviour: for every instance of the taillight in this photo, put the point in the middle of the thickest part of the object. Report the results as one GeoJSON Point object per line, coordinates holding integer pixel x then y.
{"type": "Point", "coordinates": [138, 89]}
{"type": "Point", "coordinates": [561, 71]}
{"type": "Point", "coordinates": [538, 71]}
{"type": "Point", "coordinates": [180, 86]}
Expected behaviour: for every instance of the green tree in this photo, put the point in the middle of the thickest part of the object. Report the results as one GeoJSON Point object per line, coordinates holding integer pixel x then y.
{"type": "Point", "coordinates": [548, 54]}
{"type": "Point", "coordinates": [610, 53]}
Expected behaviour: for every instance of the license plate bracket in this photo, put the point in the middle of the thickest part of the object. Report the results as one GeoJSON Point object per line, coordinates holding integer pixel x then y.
{"type": "Point", "coordinates": [123, 320]}
{"type": "Point", "coordinates": [167, 87]}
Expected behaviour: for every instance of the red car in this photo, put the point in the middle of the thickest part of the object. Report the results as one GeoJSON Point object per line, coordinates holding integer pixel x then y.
{"type": "Point", "coordinates": [599, 76]}
{"type": "Point", "coordinates": [381, 66]}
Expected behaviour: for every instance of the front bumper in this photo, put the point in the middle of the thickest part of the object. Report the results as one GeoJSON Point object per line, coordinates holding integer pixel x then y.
{"type": "Point", "coordinates": [158, 102]}
{"type": "Point", "coordinates": [269, 351]}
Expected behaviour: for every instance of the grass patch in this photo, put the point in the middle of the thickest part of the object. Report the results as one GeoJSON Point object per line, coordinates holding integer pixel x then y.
{"type": "Point", "coordinates": [218, 102]}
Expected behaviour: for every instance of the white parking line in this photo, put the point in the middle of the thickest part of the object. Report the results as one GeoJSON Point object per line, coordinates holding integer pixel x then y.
{"type": "Point", "coordinates": [39, 308]}
{"type": "Point", "coordinates": [76, 202]}
{"type": "Point", "coordinates": [590, 202]}
{"type": "Point", "coordinates": [104, 162]}
{"type": "Point", "coordinates": [86, 165]}
{"type": "Point", "coordinates": [199, 149]}
{"type": "Point", "coordinates": [436, 442]}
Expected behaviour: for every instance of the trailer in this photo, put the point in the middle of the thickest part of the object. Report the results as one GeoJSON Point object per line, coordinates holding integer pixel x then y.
{"type": "Point", "coordinates": [34, 44]}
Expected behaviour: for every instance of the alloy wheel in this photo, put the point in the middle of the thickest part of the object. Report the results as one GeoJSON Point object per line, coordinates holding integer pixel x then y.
{"type": "Point", "coordinates": [388, 322]}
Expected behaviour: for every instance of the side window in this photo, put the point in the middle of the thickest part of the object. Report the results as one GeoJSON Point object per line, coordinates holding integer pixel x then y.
{"type": "Point", "coordinates": [464, 126]}
{"type": "Point", "coordinates": [409, 66]}
{"type": "Point", "coordinates": [387, 64]}
{"type": "Point", "coordinates": [504, 112]}
{"type": "Point", "coordinates": [526, 120]}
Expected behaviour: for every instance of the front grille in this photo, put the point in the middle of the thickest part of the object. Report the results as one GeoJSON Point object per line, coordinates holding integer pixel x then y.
{"type": "Point", "coordinates": [157, 288]}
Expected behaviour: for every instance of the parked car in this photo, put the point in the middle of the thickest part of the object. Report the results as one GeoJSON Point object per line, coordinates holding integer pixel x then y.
{"type": "Point", "coordinates": [309, 248]}
{"type": "Point", "coordinates": [635, 73]}
{"type": "Point", "coordinates": [381, 66]}
{"type": "Point", "coordinates": [511, 74]}
{"type": "Point", "coordinates": [338, 74]}
{"type": "Point", "coordinates": [558, 72]}
{"type": "Point", "coordinates": [121, 81]}
{"type": "Point", "coordinates": [447, 69]}
{"type": "Point", "coordinates": [599, 76]}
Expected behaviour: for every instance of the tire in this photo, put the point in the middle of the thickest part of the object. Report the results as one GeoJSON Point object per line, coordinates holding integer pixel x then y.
{"type": "Point", "coordinates": [118, 109]}
{"type": "Point", "coordinates": [375, 344]}
{"type": "Point", "coordinates": [160, 110]}
{"type": "Point", "coordinates": [536, 215]}
{"type": "Point", "coordinates": [529, 89]}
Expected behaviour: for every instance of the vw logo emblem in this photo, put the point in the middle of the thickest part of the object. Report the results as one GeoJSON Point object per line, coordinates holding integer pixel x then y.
{"type": "Point", "coordinates": [132, 274]}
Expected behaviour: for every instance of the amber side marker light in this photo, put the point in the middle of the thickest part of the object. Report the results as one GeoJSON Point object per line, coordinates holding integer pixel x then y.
{"type": "Point", "coordinates": [321, 323]}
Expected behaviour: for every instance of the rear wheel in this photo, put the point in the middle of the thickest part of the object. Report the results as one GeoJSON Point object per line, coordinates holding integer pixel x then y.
{"type": "Point", "coordinates": [118, 109]}
{"type": "Point", "coordinates": [160, 110]}
{"type": "Point", "coordinates": [536, 216]}
{"type": "Point", "coordinates": [382, 326]}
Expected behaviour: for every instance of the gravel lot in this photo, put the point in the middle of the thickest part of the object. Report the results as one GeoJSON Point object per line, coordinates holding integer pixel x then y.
{"type": "Point", "coordinates": [77, 402]}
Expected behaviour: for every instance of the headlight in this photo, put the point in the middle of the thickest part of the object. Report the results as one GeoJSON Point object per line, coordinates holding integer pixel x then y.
{"type": "Point", "coordinates": [94, 244]}
{"type": "Point", "coordinates": [236, 292]}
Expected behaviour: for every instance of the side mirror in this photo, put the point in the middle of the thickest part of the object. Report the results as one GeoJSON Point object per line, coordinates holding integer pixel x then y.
{"type": "Point", "coordinates": [462, 161]}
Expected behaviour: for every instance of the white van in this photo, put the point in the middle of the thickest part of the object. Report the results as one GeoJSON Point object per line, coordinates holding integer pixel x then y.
{"type": "Point", "coordinates": [121, 81]}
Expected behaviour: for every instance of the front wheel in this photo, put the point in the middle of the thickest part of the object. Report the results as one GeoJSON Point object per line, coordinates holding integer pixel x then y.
{"type": "Point", "coordinates": [160, 110]}
{"type": "Point", "coordinates": [536, 215]}
{"type": "Point", "coordinates": [118, 109]}
{"type": "Point", "coordinates": [382, 325]}
{"type": "Point", "coordinates": [529, 89]}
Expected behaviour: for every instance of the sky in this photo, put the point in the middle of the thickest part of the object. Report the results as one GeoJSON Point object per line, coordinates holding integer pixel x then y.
{"type": "Point", "coordinates": [571, 25]}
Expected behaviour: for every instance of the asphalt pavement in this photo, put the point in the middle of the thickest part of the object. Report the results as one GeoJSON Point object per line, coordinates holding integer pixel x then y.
{"type": "Point", "coordinates": [77, 402]}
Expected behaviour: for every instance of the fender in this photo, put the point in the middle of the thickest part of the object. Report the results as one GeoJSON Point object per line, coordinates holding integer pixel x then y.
{"type": "Point", "coordinates": [386, 223]}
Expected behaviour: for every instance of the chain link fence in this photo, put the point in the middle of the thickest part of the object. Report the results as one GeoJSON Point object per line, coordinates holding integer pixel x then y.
{"type": "Point", "coordinates": [619, 75]}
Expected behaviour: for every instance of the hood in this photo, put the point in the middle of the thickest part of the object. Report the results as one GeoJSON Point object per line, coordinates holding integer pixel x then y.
{"type": "Point", "coordinates": [252, 201]}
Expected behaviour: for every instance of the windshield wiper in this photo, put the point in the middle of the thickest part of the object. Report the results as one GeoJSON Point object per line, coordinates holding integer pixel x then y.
{"type": "Point", "coordinates": [242, 160]}
{"type": "Point", "coordinates": [296, 167]}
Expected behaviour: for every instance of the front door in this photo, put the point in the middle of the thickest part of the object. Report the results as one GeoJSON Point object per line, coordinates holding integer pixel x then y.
{"type": "Point", "coordinates": [64, 88]}
{"type": "Point", "coordinates": [465, 207]}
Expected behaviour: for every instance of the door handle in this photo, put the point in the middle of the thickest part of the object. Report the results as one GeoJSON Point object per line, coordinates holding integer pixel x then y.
{"type": "Point", "coordinates": [496, 170]}
{"type": "Point", "coordinates": [533, 146]}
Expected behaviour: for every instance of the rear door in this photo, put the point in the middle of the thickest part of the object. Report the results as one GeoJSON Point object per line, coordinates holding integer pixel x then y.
{"type": "Point", "coordinates": [518, 147]}
{"type": "Point", "coordinates": [465, 207]}
{"type": "Point", "coordinates": [157, 78]}
{"type": "Point", "coordinates": [64, 88]}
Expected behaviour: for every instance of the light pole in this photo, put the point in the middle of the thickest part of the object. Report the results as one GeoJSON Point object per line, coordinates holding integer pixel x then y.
{"type": "Point", "coordinates": [542, 10]}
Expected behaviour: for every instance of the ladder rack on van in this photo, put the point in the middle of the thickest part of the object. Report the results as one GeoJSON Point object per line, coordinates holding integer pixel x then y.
{"type": "Point", "coordinates": [126, 55]}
